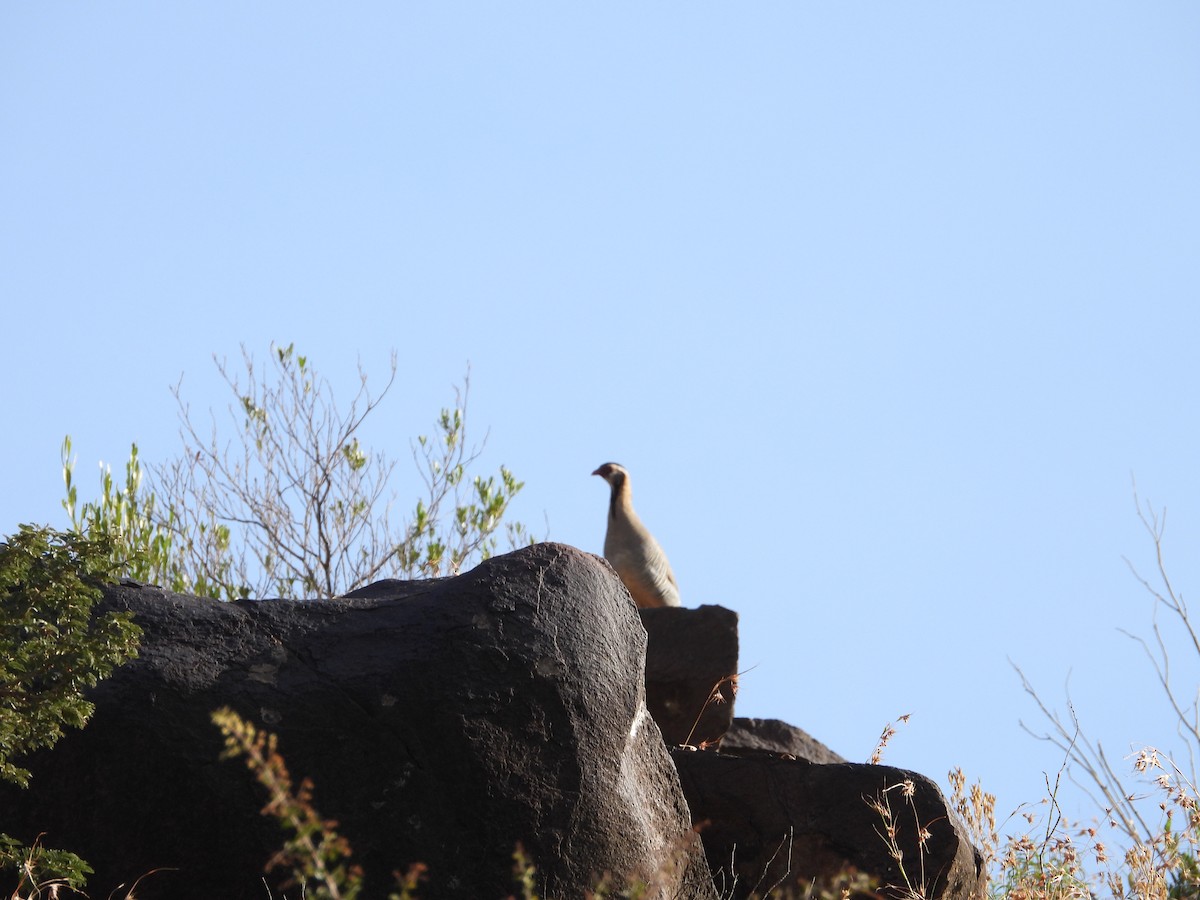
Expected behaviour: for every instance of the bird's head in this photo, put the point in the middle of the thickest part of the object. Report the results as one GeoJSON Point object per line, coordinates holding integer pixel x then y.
{"type": "Point", "coordinates": [613, 473]}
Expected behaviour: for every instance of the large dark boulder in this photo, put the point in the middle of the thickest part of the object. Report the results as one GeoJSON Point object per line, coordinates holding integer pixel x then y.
{"type": "Point", "coordinates": [441, 722]}
{"type": "Point", "coordinates": [772, 821]}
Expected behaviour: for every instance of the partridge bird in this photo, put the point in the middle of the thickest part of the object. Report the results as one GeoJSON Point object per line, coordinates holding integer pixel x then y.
{"type": "Point", "coordinates": [632, 550]}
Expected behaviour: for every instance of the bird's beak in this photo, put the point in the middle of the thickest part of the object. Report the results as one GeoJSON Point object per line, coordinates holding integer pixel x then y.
{"type": "Point", "coordinates": [597, 472]}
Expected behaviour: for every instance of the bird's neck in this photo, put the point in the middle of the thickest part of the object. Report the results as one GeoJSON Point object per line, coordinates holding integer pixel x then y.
{"type": "Point", "coordinates": [621, 500]}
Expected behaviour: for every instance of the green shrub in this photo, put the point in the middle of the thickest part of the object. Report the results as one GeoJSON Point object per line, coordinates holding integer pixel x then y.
{"type": "Point", "coordinates": [291, 503]}
{"type": "Point", "coordinates": [52, 648]}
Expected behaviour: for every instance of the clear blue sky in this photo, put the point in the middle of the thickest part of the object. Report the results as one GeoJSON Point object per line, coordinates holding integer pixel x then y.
{"type": "Point", "coordinates": [882, 304]}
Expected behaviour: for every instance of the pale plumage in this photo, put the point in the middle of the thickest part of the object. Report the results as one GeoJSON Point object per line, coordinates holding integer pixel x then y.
{"type": "Point", "coordinates": [631, 549]}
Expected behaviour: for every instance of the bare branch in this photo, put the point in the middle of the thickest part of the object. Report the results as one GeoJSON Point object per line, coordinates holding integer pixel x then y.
{"type": "Point", "coordinates": [1146, 828]}
{"type": "Point", "coordinates": [293, 505]}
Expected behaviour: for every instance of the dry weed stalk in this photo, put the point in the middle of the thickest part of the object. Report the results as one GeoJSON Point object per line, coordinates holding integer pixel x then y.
{"type": "Point", "coordinates": [714, 697]}
{"type": "Point", "coordinates": [788, 842]}
{"type": "Point", "coordinates": [976, 809]}
{"type": "Point", "coordinates": [1159, 858]}
{"type": "Point", "coordinates": [916, 883]}
{"type": "Point", "coordinates": [1050, 866]}
{"type": "Point", "coordinates": [1103, 780]}
{"type": "Point", "coordinates": [316, 853]}
{"type": "Point", "coordinates": [889, 731]}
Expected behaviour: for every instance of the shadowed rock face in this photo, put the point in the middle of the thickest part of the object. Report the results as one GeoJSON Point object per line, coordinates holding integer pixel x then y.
{"type": "Point", "coordinates": [441, 722]}
{"type": "Point", "coordinates": [766, 737]}
{"type": "Point", "coordinates": [776, 808]}
{"type": "Point", "coordinates": [691, 654]}
{"type": "Point", "coordinates": [776, 821]}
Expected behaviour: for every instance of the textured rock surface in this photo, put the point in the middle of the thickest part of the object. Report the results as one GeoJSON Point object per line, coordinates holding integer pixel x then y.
{"type": "Point", "coordinates": [691, 653]}
{"type": "Point", "coordinates": [747, 737]}
{"type": "Point", "coordinates": [776, 822]}
{"type": "Point", "coordinates": [441, 722]}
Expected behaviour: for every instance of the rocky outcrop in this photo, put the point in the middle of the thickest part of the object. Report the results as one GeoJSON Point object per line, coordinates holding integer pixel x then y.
{"type": "Point", "coordinates": [779, 811]}
{"type": "Point", "coordinates": [771, 737]}
{"type": "Point", "coordinates": [442, 722]}
{"type": "Point", "coordinates": [773, 822]}
{"type": "Point", "coordinates": [691, 672]}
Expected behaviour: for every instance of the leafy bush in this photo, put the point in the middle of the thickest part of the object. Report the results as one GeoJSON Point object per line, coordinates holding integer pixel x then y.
{"type": "Point", "coordinates": [139, 544]}
{"type": "Point", "coordinates": [52, 647]}
{"type": "Point", "coordinates": [293, 504]}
